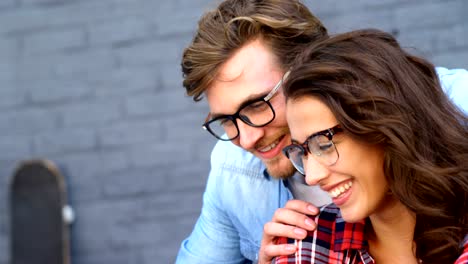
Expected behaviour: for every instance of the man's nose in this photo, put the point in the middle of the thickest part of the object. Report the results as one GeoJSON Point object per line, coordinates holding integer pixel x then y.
{"type": "Point", "coordinates": [314, 170]}
{"type": "Point", "coordinates": [248, 135]}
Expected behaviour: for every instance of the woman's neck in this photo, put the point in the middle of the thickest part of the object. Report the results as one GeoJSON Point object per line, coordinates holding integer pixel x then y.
{"type": "Point", "coordinates": [391, 236]}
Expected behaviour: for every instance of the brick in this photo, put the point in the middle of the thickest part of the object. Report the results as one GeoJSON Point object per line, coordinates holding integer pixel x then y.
{"type": "Point", "coordinates": [81, 167]}
{"type": "Point", "coordinates": [141, 105]}
{"type": "Point", "coordinates": [160, 103]}
{"type": "Point", "coordinates": [453, 59]}
{"type": "Point", "coordinates": [121, 30]}
{"type": "Point", "coordinates": [6, 175]}
{"type": "Point", "coordinates": [122, 134]}
{"type": "Point", "coordinates": [42, 2]}
{"type": "Point", "coordinates": [90, 165]}
{"type": "Point", "coordinates": [166, 250]}
{"type": "Point", "coordinates": [7, 4]}
{"type": "Point", "coordinates": [78, 12]}
{"type": "Point", "coordinates": [141, 234]}
{"type": "Point", "coordinates": [9, 47]}
{"type": "Point", "coordinates": [4, 247]}
{"type": "Point", "coordinates": [15, 147]}
{"type": "Point", "coordinates": [114, 221]}
{"type": "Point", "coordinates": [192, 176]}
{"type": "Point", "coordinates": [161, 52]}
{"type": "Point", "coordinates": [329, 7]}
{"type": "Point", "coordinates": [112, 161]}
{"type": "Point", "coordinates": [121, 82]}
{"type": "Point", "coordinates": [95, 218]}
{"type": "Point", "coordinates": [162, 205]}
{"type": "Point", "coordinates": [194, 5]}
{"type": "Point", "coordinates": [114, 256]}
{"type": "Point", "coordinates": [62, 141]}
{"type": "Point", "coordinates": [27, 121]}
{"type": "Point", "coordinates": [436, 40]}
{"type": "Point", "coordinates": [30, 69]}
{"type": "Point", "coordinates": [381, 19]}
{"type": "Point", "coordinates": [82, 171]}
{"type": "Point", "coordinates": [155, 154]}
{"type": "Point", "coordinates": [187, 123]}
{"type": "Point", "coordinates": [171, 78]}
{"type": "Point", "coordinates": [11, 95]}
{"type": "Point", "coordinates": [54, 40]}
{"type": "Point", "coordinates": [89, 113]}
{"type": "Point", "coordinates": [85, 62]}
{"type": "Point", "coordinates": [8, 71]}
{"type": "Point", "coordinates": [65, 65]}
{"type": "Point", "coordinates": [201, 149]}
{"type": "Point", "coordinates": [423, 15]}
{"type": "Point", "coordinates": [22, 19]}
{"type": "Point", "coordinates": [58, 91]}
{"type": "Point", "coordinates": [178, 23]}
{"type": "Point", "coordinates": [140, 182]}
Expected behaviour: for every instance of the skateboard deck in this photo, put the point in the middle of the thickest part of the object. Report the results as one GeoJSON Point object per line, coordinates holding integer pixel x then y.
{"type": "Point", "coordinates": [39, 232]}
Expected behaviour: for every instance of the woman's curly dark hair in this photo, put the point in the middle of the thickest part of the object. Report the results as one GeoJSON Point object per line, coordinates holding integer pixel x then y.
{"type": "Point", "coordinates": [383, 95]}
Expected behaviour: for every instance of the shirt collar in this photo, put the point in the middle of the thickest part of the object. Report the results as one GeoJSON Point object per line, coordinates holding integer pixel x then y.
{"type": "Point", "coordinates": [348, 235]}
{"type": "Point", "coordinates": [266, 175]}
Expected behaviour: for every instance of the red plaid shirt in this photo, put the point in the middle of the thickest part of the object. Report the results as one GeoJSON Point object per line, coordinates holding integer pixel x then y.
{"type": "Point", "coordinates": [336, 241]}
{"type": "Point", "coordinates": [463, 259]}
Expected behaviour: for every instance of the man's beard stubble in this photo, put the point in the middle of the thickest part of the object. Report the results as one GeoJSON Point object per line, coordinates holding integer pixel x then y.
{"type": "Point", "coordinates": [280, 167]}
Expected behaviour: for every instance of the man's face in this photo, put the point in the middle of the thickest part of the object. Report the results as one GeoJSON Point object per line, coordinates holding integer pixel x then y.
{"type": "Point", "coordinates": [252, 72]}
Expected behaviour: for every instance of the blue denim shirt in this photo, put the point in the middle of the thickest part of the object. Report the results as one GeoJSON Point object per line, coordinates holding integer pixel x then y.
{"type": "Point", "coordinates": [240, 197]}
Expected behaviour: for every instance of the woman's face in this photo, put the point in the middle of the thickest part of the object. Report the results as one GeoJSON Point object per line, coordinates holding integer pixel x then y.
{"type": "Point", "coordinates": [356, 182]}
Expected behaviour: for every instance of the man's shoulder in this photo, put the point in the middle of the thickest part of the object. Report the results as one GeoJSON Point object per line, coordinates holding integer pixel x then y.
{"type": "Point", "coordinates": [455, 83]}
{"type": "Point", "coordinates": [452, 78]}
{"type": "Point", "coordinates": [225, 152]}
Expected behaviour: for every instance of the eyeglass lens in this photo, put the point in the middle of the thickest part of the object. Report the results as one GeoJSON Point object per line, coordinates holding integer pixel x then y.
{"type": "Point", "coordinates": [322, 148]}
{"type": "Point", "coordinates": [255, 114]}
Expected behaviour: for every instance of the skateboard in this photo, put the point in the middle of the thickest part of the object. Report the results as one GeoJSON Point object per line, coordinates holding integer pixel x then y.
{"type": "Point", "coordinates": [40, 217]}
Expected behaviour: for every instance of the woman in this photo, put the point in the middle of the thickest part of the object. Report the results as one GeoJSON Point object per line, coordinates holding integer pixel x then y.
{"type": "Point", "coordinates": [371, 126]}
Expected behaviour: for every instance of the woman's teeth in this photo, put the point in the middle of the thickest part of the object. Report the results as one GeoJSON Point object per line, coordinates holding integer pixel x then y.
{"type": "Point", "coordinates": [340, 189]}
{"type": "Point", "coordinates": [269, 147]}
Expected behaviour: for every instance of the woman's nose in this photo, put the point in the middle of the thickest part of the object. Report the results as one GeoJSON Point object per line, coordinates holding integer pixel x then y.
{"type": "Point", "coordinates": [314, 170]}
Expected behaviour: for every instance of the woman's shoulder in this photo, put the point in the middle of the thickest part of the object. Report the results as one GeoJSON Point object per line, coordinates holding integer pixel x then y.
{"type": "Point", "coordinates": [463, 259]}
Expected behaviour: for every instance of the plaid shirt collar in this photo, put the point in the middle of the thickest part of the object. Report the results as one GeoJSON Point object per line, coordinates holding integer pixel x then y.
{"type": "Point", "coordinates": [347, 236]}
{"type": "Point", "coordinates": [334, 241]}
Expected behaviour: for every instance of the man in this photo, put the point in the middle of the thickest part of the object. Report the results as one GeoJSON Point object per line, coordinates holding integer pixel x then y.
{"type": "Point", "coordinates": [238, 58]}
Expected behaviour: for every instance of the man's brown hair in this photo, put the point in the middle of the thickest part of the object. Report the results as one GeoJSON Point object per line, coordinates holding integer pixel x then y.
{"type": "Point", "coordinates": [286, 27]}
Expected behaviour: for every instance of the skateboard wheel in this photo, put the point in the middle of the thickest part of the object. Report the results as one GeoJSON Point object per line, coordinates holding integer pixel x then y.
{"type": "Point", "coordinates": [68, 214]}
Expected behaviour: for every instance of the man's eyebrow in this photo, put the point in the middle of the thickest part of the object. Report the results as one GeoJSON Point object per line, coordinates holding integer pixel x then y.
{"type": "Point", "coordinates": [251, 98]}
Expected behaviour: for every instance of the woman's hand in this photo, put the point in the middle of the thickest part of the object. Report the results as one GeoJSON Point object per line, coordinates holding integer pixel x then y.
{"type": "Point", "coordinates": [291, 221]}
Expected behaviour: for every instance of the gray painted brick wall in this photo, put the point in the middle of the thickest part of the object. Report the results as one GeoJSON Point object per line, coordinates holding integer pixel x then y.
{"type": "Point", "coordinates": [96, 87]}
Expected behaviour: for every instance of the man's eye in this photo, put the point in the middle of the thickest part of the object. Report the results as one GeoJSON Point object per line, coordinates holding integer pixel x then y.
{"type": "Point", "coordinates": [256, 107]}
{"type": "Point", "coordinates": [225, 122]}
{"type": "Point", "coordinates": [257, 104]}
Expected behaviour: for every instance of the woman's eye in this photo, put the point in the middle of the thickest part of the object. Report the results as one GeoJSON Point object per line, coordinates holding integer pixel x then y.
{"type": "Point", "coordinates": [325, 147]}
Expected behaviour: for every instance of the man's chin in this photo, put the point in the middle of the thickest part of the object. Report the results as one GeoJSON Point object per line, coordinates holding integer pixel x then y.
{"type": "Point", "coordinates": [280, 168]}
